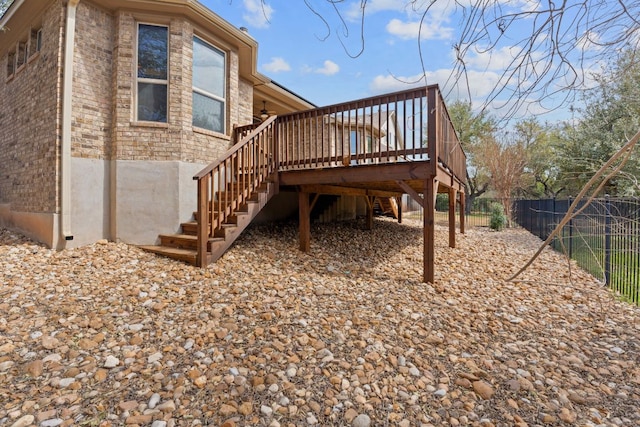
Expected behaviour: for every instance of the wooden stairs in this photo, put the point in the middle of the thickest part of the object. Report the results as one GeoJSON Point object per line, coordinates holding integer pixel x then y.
{"type": "Point", "coordinates": [183, 246]}
{"type": "Point", "coordinates": [387, 205]}
{"type": "Point", "coordinates": [231, 192]}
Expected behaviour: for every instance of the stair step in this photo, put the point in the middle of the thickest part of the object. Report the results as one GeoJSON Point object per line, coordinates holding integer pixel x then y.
{"type": "Point", "coordinates": [190, 227]}
{"type": "Point", "coordinates": [184, 255]}
{"type": "Point", "coordinates": [184, 241]}
{"type": "Point", "coordinates": [224, 230]}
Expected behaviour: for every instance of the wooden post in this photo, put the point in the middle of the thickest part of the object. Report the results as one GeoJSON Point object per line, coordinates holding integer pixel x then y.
{"type": "Point", "coordinates": [463, 219]}
{"type": "Point", "coordinates": [203, 221]}
{"type": "Point", "coordinates": [399, 201]}
{"type": "Point", "coordinates": [452, 217]}
{"type": "Point", "coordinates": [305, 221]}
{"type": "Point", "coordinates": [370, 202]}
{"type": "Point", "coordinates": [429, 232]}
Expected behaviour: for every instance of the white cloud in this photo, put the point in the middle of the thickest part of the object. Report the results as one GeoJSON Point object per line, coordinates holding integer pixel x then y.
{"type": "Point", "coordinates": [276, 65]}
{"type": "Point", "coordinates": [493, 59]}
{"type": "Point", "coordinates": [328, 69]}
{"type": "Point", "coordinates": [476, 84]}
{"type": "Point", "coordinates": [257, 13]}
{"type": "Point", "coordinates": [373, 6]}
{"type": "Point", "coordinates": [591, 41]}
{"type": "Point", "coordinates": [412, 29]}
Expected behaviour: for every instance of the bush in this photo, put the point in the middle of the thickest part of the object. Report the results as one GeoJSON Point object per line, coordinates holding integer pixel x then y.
{"type": "Point", "coordinates": [498, 219]}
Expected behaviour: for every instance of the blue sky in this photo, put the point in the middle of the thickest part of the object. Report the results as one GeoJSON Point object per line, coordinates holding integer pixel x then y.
{"type": "Point", "coordinates": [325, 60]}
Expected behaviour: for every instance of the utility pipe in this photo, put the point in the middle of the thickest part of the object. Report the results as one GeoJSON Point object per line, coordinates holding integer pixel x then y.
{"type": "Point", "coordinates": [67, 99]}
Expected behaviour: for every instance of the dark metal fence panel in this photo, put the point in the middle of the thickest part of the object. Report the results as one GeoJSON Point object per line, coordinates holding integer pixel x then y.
{"type": "Point", "coordinates": [603, 238]}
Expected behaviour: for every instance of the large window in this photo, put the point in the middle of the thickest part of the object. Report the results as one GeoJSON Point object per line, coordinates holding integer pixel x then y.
{"type": "Point", "coordinates": [209, 81]}
{"type": "Point", "coordinates": [153, 55]}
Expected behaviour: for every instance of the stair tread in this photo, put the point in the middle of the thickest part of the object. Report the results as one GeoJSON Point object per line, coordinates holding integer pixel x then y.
{"type": "Point", "coordinates": [187, 237]}
{"type": "Point", "coordinates": [186, 255]}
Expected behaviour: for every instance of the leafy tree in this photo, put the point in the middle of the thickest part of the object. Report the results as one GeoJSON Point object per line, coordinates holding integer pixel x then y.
{"type": "Point", "coordinates": [541, 174]}
{"type": "Point", "coordinates": [610, 118]}
{"type": "Point", "coordinates": [473, 130]}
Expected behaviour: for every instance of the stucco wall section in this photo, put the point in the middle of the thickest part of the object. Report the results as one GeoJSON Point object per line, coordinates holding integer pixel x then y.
{"type": "Point", "coordinates": [93, 58]}
{"type": "Point", "coordinates": [29, 122]}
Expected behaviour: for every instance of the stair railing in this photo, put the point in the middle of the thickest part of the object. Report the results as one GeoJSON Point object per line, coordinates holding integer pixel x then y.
{"type": "Point", "coordinates": [225, 185]}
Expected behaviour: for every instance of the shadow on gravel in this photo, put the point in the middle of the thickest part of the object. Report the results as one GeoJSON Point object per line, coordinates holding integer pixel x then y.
{"type": "Point", "coordinates": [344, 246]}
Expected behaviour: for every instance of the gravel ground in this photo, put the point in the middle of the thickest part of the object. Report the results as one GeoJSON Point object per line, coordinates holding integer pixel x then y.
{"type": "Point", "coordinates": [347, 335]}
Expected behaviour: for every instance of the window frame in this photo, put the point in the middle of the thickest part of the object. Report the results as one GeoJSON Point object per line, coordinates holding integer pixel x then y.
{"type": "Point", "coordinates": [147, 80]}
{"type": "Point", "coordinates": [204, 93]}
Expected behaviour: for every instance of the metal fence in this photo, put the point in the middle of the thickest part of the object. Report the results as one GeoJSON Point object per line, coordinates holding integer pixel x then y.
{"type": "Point", "coordinates": [478, 213]}
{"type": "Point", "coordinates": [604, 238]}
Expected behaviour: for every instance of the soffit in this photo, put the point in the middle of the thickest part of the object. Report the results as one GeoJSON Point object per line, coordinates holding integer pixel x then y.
{"type": "Point", "coordinates": [17, 20]}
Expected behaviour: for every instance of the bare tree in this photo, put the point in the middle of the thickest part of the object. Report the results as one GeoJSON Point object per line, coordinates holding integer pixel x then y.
{"type": "Point", "coordinates": [552, 45]}
{"type": "Point", "coordinates": [506, 162]}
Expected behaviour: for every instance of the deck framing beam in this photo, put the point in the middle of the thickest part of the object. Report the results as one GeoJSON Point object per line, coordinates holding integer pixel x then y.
{"type": "Point", "coordinates": [338, 190]}
{"type": "Point", "coordinates": [411, 192]}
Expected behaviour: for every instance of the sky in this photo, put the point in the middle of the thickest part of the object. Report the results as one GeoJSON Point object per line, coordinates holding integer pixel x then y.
{"type": "Point", "coordinates": [330, 52]}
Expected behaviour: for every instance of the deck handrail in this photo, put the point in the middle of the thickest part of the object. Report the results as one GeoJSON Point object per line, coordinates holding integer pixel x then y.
{"type": "Point", "coordinates": [225, 185]}
{"type": "Point", "coordinates": [410, 125]}
{"type": "Point", "coordinates": [389, 128]}
{"type": "Point", "coordinates": [449, 151]}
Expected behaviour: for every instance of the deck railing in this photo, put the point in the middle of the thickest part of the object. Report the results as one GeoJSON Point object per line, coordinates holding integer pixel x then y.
{"type": "Point", "coordinates": [389, 128]}
{"type": "Point", "coordinates": [225, 185]}
{"type": "Point", "coordinates": [407, 126]}
{"type": "Point", "coordinates": [448, 150]}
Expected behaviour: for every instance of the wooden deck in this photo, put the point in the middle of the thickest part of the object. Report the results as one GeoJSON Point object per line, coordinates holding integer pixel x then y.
{"type": "Point", "coordinates": [384, 146]}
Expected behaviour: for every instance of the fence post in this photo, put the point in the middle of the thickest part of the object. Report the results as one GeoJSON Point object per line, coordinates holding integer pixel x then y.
{"type": "Point", "coordinates": [570, 229]}
{"type": "Point", "coordinates": [607, 241]}
{"type": "Point", "coordinates": [554, 243]}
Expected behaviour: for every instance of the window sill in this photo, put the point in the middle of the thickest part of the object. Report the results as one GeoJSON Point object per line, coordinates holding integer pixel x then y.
{"type": "Point", "coordinates": [211, 133]}
{"type": "Point", "coordinates": [33, 57]}
{"type": "Point", "coordinates": [157, 125]}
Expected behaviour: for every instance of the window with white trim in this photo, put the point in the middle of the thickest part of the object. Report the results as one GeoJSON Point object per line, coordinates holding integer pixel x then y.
{"type": "Point", "coordinates": [35, 41]}
{"type": "Point", "coordinates": [152, 73]}
{"type": "Point", "coordinates": [209, 82]}
{"type": "Point", "coordinates": [11, 63]}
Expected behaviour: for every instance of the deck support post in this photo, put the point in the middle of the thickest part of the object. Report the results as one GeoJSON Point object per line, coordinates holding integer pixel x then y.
{"type": "Point", "coordinates": [399, 202]}
{"type": "Point", "coordinates": [452, 217]}
{"type": "Point", "coordinates": [370, 202]}
{"type": "Point", "coordinates": [204, 226]}
{"type": "Point", "coordinates": [462, 212]}
{"type": "Point", "coordinates": [305, 221]}
{"type": "Point", "coordinates": [429, 231]}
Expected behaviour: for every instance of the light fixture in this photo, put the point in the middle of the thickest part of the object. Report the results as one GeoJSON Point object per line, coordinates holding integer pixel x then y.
{"type": "Point", "coordinates": [264, 114]}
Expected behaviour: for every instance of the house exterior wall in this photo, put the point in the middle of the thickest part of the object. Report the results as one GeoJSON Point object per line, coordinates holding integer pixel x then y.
{"type": "Point", "coordinates": [125, 175]}
{"type": "Point", "coordinates": [30, 128]}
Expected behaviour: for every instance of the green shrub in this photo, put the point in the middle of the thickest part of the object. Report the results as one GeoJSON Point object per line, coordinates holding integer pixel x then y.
{"type": "Point", "coordinates": [498, 219]}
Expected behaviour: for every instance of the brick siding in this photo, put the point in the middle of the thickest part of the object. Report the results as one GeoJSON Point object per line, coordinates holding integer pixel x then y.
{"type": "Point", "coordinates": [29, 119]}
{"type": "Point", "coordinates": [103, 104]}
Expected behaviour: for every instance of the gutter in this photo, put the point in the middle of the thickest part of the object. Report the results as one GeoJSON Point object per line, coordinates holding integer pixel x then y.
{"type": "Point", "coordinates": [9, 13]}
{"type": "Point", "coordinates": [67, 98]}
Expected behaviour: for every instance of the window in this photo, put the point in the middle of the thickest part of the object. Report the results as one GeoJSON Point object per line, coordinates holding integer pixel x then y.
{"type": "Point", "coordinates": [11, 63]}
{"type": "Point", "coordinates": [22, 54]}
{"type": "Point", "coordinates": [153, 55]}
{"type": "Point", "coordinates": [209, 80]}
{"type": "Point", "coordinates": [35, 42]}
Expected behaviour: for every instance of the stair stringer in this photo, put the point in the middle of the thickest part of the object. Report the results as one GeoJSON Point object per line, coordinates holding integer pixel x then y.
{"type": "Point", "coordinates": [244, 218]}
